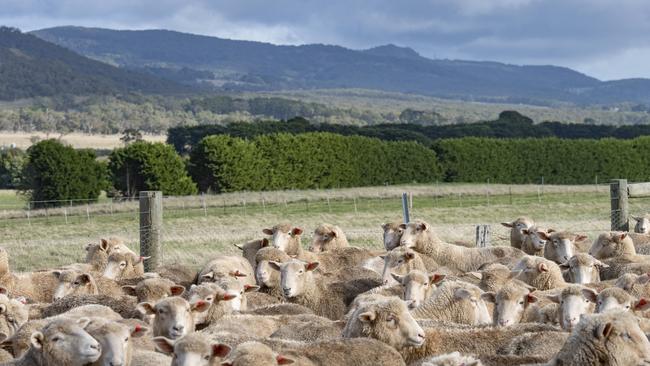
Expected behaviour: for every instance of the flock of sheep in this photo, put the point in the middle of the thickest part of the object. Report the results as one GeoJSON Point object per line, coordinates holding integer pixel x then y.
{"type": "Point", "coordinates": [550, 298]}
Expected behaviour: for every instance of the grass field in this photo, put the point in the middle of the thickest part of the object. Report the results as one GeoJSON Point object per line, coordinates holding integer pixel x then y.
{"type": "Point", "coordinates": [23, 140]}
{"type": "Point", "coordinates": [193, 231]}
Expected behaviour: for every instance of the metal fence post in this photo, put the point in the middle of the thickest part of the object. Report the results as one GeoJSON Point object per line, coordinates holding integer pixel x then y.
{"type": "Point", "coordinates": [618, 198]}
{"type": "Point", "coordinates": [405, 208]}
{"type": "Point", "coordinates": [151, 218]}
{"type": "Point", "coordinates": [482, 236]}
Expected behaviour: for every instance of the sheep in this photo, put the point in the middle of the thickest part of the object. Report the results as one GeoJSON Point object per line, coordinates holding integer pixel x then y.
{"type": "Point", "coordinates": [635, 285]}
{"type": "Point", "coordinates": [338, 261]}
{"type": "Point", "coordinates": [327, 237]}
{"type": "Point", "coordinates": [36, 286]}
{"type": "Point", "coordinates": [224, 267]}
{"type": "Point", "coordinates": [401, 260]}
{"type": "Point", "coordinates": [513, 304]}
{"type": "Point", "coordinates": [77, 283]}
{"type": "Point", "coordinates": [286, 238]}
{"type": "Point", "coordinates": [574, 301]}
{"type": "Point", "coordinates": [267, 277]}
{"type": "Point", "coordinates": [97, 253]}
{"type": "Point", "coordinates": [517, 227]}
{"type": "Point", "coordinates": [177, 273]}
{"type": "Point", "coordinates": [389, 321]}
{"type": "Point", "coordinates": [280, 309]}
{"type": "Point", "coordinates": [13, 314]}
{"type": "Point", "coordinates": [250, 249]}
{"type": "Point", "coordinates": [5, 356]}
{"type": "Point", "coordinates": [615, 299]}
{"type": "Point", "coordinates": [392, 235]}
{"type": "Point", "coordinates": [153, 289]}
{"type": "Point", "coordinates": [618, 251]}
{"type": "Point", "coordinates": [451, 359]}
{"type": "Point", "coordinates": [174, 316]}
{"type": "Point", "coordinates": [300, 286]}
{"type": "Point", "coordinates": [540, 273]}
{"type": "Point", "coordinates": [533, 243]}
{"type": "Point", "coordinates": [582, 269]}
{"type": "Point", "coordinates": [255, 353]}
{"type": "Point", "coordinates": [18, 344]}
{"type": "Point", "coordinates": [223, 299]}
{"type": "Point", "coordinates": [193, 349]}
{"type": "Point", "coordinates": [494, 276]}
{"type": "Point", "coordinates": [149, 358]}
{"type": "Point", "coordinates": [419, 236]}
{"type": "Point", "coordinates": [359, 351]}
{"type": "Point", "coordinates": [115, 339]}
{"type": "Point", "coordinates": [417, 286]}
{"type": "Point", "coordinates": [455, 301]}
{"type": "Point", "coordinates": [642, 225]}
{"type": "Point", "coordinates": [61, 342]}
{"type": "Point", "coordinates": [532, 345]}
{"type": "Point", "coordinates": [561, 246]}
{"type": "Point", "coordinates": [316, 329]}
{"type": "Point", "coordinates": [124, 265]}
{"type": "Point", "coordinates": [605, 339]}
{"type": "Point", "coordinates": [124, 306]}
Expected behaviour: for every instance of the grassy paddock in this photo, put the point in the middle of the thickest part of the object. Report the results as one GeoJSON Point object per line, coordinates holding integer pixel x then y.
{"type": "Point", "coordinates": [194, 231]}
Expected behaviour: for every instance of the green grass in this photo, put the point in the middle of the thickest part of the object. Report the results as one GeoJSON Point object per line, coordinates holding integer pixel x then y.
{"type": "Point", "coordinates": [192, 234]}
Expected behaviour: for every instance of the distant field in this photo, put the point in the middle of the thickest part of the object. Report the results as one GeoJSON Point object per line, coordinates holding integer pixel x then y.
{"type": "Point", "coordinates": [193, 232]}
{"type": "Point", "coordinates": [79, 140]}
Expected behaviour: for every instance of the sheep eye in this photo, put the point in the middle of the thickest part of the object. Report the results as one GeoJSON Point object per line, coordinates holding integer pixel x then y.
{"type": "Point", "coordinates": [161, 311]}
{"type": "Point", "coordinates": [56, 339]}
{"type": "Point", "coordinates": [521, 302]}
{"type": "Point", "coordinates": [126, 339]}
{"type": "Point", "coordinates": [207, 358]}
{"type": "Point", "coordinates": [400, 261]}
{"type": "Point", "coordinates": [301, 271]}
{"type": "Point", "coordinates": [77, 283]}
{"type": "Point", "coordinates": [122, 264]}
{"type": "Point", "coordinates": [208, 299]}
{"type": "Point", "coordinates": [627, 307]}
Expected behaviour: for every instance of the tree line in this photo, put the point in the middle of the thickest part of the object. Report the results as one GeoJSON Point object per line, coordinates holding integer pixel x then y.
{"type": "Point", "coordinates": [50, 170]}
{"type": "Point", "coordinates": [510, 124]}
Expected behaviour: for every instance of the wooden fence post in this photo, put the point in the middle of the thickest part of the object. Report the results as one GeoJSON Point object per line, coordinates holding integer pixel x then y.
{"type": "Point", "coordinates": [482, 236]}
{"type": "Point", "coordinates": [619, 212]}
{"type": "Point", "coordinates": [151, 218]}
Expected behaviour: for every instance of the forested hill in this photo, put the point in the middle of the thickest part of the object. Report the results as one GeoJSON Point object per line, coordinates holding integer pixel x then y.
{"type": "Point", "coordinates": [31, 67]}
{"type": "Point", "coordinates": [244, 65]}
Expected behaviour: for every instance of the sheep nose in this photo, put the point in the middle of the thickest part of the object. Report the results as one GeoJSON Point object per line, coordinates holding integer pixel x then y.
{"type": "Point", "coordinates": [115, 363]}
{"type": "Point", "coordinates": [503, 322]}
{"type": "Point", "coordinates": [178, 328]}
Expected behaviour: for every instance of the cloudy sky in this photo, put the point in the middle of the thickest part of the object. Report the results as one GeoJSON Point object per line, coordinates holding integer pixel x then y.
{"type": "Point", "coordinates": [608, 39]}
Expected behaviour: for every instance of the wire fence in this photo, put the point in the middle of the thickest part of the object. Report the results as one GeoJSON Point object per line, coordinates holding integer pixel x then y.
{"type": "Point", "coordinates": [198, 227]}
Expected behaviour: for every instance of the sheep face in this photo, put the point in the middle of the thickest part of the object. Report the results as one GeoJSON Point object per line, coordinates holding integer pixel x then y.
{"type": "Point", "coordinates": [561, 246]}
{"type": "Point", "coordinates": [396, 261]}
{"type": "Point", "coordinates": [629, 281]}
{"type": "Point", "coordinates": [473, 296]}
{"type": "Point", "coordinates": [418, 286]}
{"type": "Point", "coordinates": [254, 353]}
{"type": "Point", "coordinates": [237, 291]}
{"type": "Point", "coordinates": [642, 225]}
{"type": "Point", "coordinates": [392, 235]}
{"type": "Point", "coordinates": [510, 303]}
{"type": "Point", "coordinates": [122, 265]}
{"type": "Point", "coordinates": [173, 316]}
{"type": "Point", "coordinates": [266, 275]}
{"type": "Point", "coordinates": [295, 276]}
{"type": "Point", "coordinates": [65, 342]}
{"type": "Point", "coordinates": [494, 276]}
{"type": "Point", "coordinates": [115, 340]}
{"type": "Point", "coordinates": [611, 244]}
{"type": "Point", "coordinates": [574, 301]}
{"type": "Point", "coordinates": [534, 237]}
{"type": "Point", "coordinates": [192, 350]}
{"type": "Point", "coordinates": [517, 228]}
{"type": "Point", "coordinates": [73, 283]}
{"type": "Point", "coordinates": [583, 268]}
{"type": "Point", "coordinates": [325, 237]}
{"type": "Point", "coordinates": [282, 236]}
{"type": "Point", "coordinates": [153, 290]}
{"type": "Point", "coordinates": [13, 314]}
{"type": "Point", "coordinates": [413, 233]}
{"type": "Point", "coordinates": [210, 293]}
{"type": "Point", "coordinates": [389, 321]}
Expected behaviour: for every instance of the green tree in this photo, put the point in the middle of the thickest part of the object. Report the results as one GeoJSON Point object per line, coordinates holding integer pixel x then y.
{"type": "Point", "coordinates": [56, 173]}
{"type": "Point", "coordinates": [143, 166]}
{"type": "Point", "coordinates": [12, 162]}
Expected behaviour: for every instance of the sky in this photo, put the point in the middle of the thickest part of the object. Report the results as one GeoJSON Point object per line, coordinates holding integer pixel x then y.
{"type": "Point", "coordinates": [607, 39]}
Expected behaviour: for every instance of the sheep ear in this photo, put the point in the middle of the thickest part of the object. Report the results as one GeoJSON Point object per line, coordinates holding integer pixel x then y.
{"type": "Point", "coordinates": [642, 279]}
{"type": "Point", "coordinates": [383, 256]}
{"type": "Point", "coordinates": [489, 297]}
{"type": "Point", "coordinates": [542, 267]}
{"type": "Point", "coordinates": [237, 273]}
{"type": "Point", "coordinates": [514, 274]}
{"type": "Point", "coordinates": [623, 236]}
{"type": "Point", "coordinates": [264, 243]}
{"type": "Point", "coordinates": [477, 275]}
{"type": "Point", "coordinates": [589, 294]}
{"type": "Point", "coordinates": [564, 265]}
{"type": "Point", "coordinates": [409, 256]}
{"type": "Point", "coordinates": [604, 330]}
{"type": "Point", "coordinates": [176, 290]}
{"type": "Point", "coordinates": [549, 231]}
{"type": "Point", "coordinates": [397, 277]}
{"type": "Point", "coordinates": [164, 345]}
{"type": "Point", "coordinates": [333, 234]}
{"type": "Point", "coordinates": [220, 350]}
{"type": "Point", "coordinates": [3, 308]}
{"type": "Point", "coordinates": [85, 278]}
{"type": "Point", "coordinates": [104, 245]}
{"type": "Point", "coordinates": [641, 305]}
{"type": "Point", "coordinates": [600, 264]}
{"type": "Point", "coordinates": [225, 297]}
{"type": "Point", "coordinates": [367, 317]}
{"type": "Point", "coordinates": [530, 298]}
{"type": "Point", "coordinates": [402, 226]}
{"type": "Point", "coordinates": [384, 226]}
{"type": "Point", "coordinates": [462, 294]}
{"type": "Point", "coordinates": [580, 238]}
{"type": "Point", "coordinates": [508, 224]}
{"type": "Point", "coordinates": [239, 246]}
{"type": "Point", "coordinates": [88, 246]}
{"type": "Point", "coordinates": [56, 274]}
{"type": "Point", "coordinates": [435, 278]}
{"type": "Point", "coordinates": [3, 290]}
{"type": "Point", "coordinates": [268, 231]}
{"type": "Point", "coordinates": [200, 306]}
{"type": "Point", "coordinates": [422, 226]}
{"type": "Point", "coordinates": [141, 259]}
{"type": "Point", "coordinates": [36, 340]}
{"type": "Point", "coordinates": [250, 288]}
{"type": "Point", "coordinates": [83, 322]}
{"type": "Point", "coordinates": [543, 235]}
{"type": "Point", "coordinates": [275, 265]}
{"type": "Point", "coordinates": [525, 231]}
{"type": "Point", "coordinates": [138, 331]}
{"type": "Point", "coordinates": [296, 231]}
{"type": "Point", "coordinates": [7, 345]}
{"type": "Point", "coordinates": [129, 290]}
{"type": "Point", "coordinates": [281, 360]}
{"type": "Point", "coordinates": [636, 218]}
{"type": "Point", "coordinates": [146, 308]}
{"type": "Point", "coordinates": [311, 266]}
{"type": "Point", "coordinates": [208, 276]}
{"type": "Point", "coordinates": [554, 298]}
